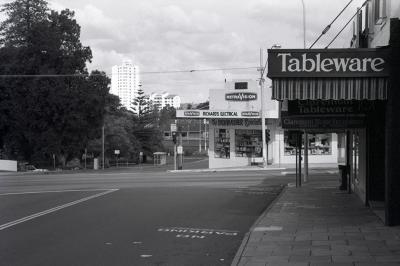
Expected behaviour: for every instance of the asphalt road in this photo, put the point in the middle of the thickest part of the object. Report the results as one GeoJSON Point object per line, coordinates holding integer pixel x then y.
{"type": "Point", "coordinates": [130, 217]}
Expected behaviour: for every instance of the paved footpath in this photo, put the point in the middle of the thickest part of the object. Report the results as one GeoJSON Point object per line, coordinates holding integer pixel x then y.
{"type": "Point", "coordinates": [318, 224]}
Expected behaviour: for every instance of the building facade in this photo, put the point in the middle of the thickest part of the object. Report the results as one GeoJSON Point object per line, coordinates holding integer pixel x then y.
{"type": "Point", "coordinates": [125, 82]}
{"type": "Point", "coordinates": [161, 100]}
{"type": "Point", "coordinates": [353, 92]}
{"type": "Point", "coordinates": [378, 26]}
{"type": "Point", "coordinates": [235, 136]}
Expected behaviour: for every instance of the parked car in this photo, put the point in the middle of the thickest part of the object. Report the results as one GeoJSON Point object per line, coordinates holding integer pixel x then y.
{"type": "Point", "coordinates": [31, 167]}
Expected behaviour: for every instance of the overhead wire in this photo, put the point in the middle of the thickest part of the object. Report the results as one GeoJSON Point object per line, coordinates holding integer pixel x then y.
{"type": "Point", "coordinates": [330, 24]}
{"type": "Point", "coordinates": [348, 22]}
{"type": "Point", "coordinates": [144, 72]}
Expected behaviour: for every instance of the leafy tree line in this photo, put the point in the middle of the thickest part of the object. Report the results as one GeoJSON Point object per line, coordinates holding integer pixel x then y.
{"type": "Point", "coordinates": [49, 103]}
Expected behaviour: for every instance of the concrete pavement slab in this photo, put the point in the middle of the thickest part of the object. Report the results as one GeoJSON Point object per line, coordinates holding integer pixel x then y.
{"type": "Point", "coordinates": [316, 224]}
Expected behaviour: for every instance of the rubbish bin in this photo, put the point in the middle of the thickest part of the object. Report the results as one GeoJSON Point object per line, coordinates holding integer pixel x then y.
{"type": "Point", "coordinates": [343, 177]}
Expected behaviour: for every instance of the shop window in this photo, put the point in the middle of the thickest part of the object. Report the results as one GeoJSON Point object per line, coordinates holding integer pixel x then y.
{"type": "Point", "coordinates": [356, 157]}
{"type": "Point", "coordinates": [222, 143]}
{"type": "Point", "coordinates": [240, 85]}
{"type": "Point", "coordinates": [248, 143]}
{"type": "Point", "coordinates": [380, 11]}
{"type": "Point", "coordinates": [318, 144]}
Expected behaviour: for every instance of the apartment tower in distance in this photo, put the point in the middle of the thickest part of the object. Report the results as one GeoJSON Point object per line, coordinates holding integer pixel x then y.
{"type": "Point", "coordinates": [161, 100]}
{"type": "Point", "coordinates": [125, 82]}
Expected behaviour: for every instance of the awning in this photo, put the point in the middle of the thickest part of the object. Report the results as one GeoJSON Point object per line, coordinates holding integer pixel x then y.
{"type": "Point", "coordinates": [364, 88]}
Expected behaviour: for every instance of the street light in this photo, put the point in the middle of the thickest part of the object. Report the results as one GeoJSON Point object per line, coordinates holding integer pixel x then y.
{"type": "Point", "coordinates": [304, 24]}
{"type": "Point", "coordinates": [305, 133]}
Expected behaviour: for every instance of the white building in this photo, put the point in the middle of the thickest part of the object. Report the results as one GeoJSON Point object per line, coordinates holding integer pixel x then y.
{"type": "Point", "coordinates": [125, 82]}
{"type": "Point", "coordinates": [235, 137]}
{"type": "Point", "coordinates": [161, 100]}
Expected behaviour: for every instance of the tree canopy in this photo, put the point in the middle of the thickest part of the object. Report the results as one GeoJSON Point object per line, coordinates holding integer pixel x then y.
{"type": "Point", "coordinates": [47, 106]}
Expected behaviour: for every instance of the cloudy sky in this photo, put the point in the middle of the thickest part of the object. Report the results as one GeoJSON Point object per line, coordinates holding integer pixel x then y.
{"type": "Point", "coordinates": [169, 35]}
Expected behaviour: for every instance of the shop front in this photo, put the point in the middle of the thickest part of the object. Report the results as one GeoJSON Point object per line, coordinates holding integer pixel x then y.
{"type": "Point", "coordinates": [235, 135]}
{"type": "Point", "coordinates": [343, 92]}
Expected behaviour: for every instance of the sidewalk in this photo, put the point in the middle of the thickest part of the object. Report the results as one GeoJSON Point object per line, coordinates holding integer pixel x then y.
{"type": "Point", "coordinates": [318, 224]}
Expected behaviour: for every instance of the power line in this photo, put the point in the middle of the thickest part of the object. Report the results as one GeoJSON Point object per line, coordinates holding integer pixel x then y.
{"type": "Point", "coordinates": [330, 24]}
{"type": "Point", "coordinates": [348, 22]}
{"type": "Point", "coordinates": [144, 72]}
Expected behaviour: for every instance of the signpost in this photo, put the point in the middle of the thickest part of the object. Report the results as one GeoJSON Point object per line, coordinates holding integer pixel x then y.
{"type": "Point", "coordinates": [116, 152]}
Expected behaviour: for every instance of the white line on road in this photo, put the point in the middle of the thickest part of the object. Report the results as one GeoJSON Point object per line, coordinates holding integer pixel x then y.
{"type": "Point", "coordinates": [36, 215]}
{"type": "Point", "coordinates": [54, 191]}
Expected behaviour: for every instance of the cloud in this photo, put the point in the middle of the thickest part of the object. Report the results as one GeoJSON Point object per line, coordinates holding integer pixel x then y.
{"type": "Point", "coordinates": [165, 35]}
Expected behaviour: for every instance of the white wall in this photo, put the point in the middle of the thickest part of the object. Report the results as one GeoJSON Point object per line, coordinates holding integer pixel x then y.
{"type": "Point", "coordinates": [380, 33]}
{"type": "Point", "coordinates": [6, 165]}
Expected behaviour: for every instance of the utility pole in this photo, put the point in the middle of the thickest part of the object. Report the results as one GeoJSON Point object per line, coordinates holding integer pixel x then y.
{"type": "Point", "coordinates": [199, 135]}
{"type": "Point", "coordinates": [205, 135]}
{"type": "Point", "coordinates": [103, 145]}
{"type": "Point", "coordinates": [180, 151]}
{"type": "Point", "coordinates": [263, 127]}
{"type": "Point", "coordinates": [85, 157]}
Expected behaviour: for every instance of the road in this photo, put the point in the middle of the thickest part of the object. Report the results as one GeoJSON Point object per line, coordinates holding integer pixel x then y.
{"type": "Point", "coordinates": [131, 217]}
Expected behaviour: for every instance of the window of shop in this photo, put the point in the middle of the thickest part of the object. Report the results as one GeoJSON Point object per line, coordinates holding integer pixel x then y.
{"type": "Point", "coordinates": [222, 143]}
{"type": "Point", "coordinates": [380, 11]}
{"type": "Point", "coordinates": [248, 143]}
{"type": "Point", "coordinates": [240, 85]}
{"type": "Point", "coordinates": [356, 157]}
{"type": "Point", "coordinates": [318, 144]}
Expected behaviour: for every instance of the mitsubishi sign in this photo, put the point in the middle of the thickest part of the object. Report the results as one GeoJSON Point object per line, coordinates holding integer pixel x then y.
{"type": "Point", "coordinates": [327, 63]}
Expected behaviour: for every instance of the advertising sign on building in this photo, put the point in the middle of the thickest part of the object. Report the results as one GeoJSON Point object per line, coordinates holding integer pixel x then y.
{"type": "Point", "coordinates": [323, 122]}
{"type": "Point", "coordinates": [327, 63]}
{"type": "Point", "coordinates": [241, 96]}
{"type": "Point", "coordinates": [216, 114]}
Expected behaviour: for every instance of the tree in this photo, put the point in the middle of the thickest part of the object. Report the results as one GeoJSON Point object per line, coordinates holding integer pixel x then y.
{"type": "Point", "coordinates": [145, 124]}
{"type": "Point", "coordinates": [141, 105]}
{"type": "Point", "coordinates": [203, 105]}
{"type": "Point", "coordinates": [52, 114]}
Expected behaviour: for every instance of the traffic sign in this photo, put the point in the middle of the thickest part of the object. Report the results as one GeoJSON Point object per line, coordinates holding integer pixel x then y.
{"type": "Point", "coordinates": [180, 150]}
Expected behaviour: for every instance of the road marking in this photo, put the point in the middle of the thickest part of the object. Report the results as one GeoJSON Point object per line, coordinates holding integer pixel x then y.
{"type": "Point", "coordinates": [288, 173]}
{"type": "Point", "coordinates": [36, 215]}
{"type": "Point", "coordinates": [54, 191]}
{"type": "Point", "coordinates": [271, 228]}
{"type": "Point", "coordinates": [196, 233]}
{"type": "Point", "coordinates": [146, 256]}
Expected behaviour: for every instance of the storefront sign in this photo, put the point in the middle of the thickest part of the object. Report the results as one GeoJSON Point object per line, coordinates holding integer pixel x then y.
{"type": "Point", "coordinates": [241, 96]}
{"type": "Point", "coordinates": [235, 122]}
{"type": "Point", "coordinates": [251, 114]}
{"type": "Point", "coordinates": [216, 114]}
{"type": "Point", "coordinates": [192, 113]}
{"type": "Point", "coordinates": [323, 122]}
{"type": "Point", "coordinates": [329, 107]}
{"type": "Point", "coordinates": [327, 63]}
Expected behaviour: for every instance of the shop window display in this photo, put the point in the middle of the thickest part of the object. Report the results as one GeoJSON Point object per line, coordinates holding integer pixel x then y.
{"type": "Point", "coordinates": [318, 144]}
{"type": "Point", "coordinates": [248, 143]}
{"type": "Point", "coordinates": [222, 143]}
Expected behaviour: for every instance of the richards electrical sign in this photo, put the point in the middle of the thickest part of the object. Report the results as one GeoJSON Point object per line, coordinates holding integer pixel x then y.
{"type": "Point", "coordinates": [327, 63]}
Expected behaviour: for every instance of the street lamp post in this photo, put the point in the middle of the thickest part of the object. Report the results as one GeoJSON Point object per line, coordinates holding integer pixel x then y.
{"type": "Point", "coordinates": [305, 133]}
{"type": "Point", "coordinates": [304, 24]}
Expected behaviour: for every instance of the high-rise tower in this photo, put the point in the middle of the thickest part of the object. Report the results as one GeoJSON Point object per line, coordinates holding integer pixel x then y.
{"type": "Point", "coordinates": [125, 82]}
